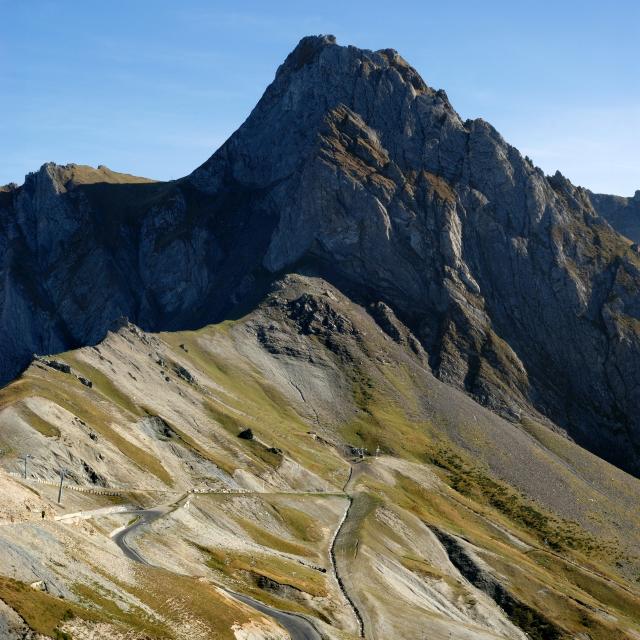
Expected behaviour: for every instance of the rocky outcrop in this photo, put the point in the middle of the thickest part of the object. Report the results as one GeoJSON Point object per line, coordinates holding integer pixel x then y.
{"type": "Point", "coordinates": [78, 255]}
{"type": "Point", "coordinates": [352, 167]}
{"type": "Point", "coordinates": [506, 276]}
{"type": "Point", "coordinates": [623, 214]}
{"type": "Point", "coordinates": [532, 622]}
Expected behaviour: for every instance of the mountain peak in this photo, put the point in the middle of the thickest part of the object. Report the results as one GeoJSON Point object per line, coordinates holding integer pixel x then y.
{"type": "Point", "coordinates": [315, 79]}
{"type": "Point", "coordinates": [351, 163]}
{"type": "Point", "coordinates": [350, 59]}
{"type": "Point", "coordinates": [306, 50]}
{"type": "Point", "coordinates": [361, 324]}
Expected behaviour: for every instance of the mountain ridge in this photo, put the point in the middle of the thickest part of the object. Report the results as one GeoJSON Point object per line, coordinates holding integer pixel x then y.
{"type": "Point", "coordinates": [451, 520]}
{"type": "Point", "coordinates": [351, 163]}
{"type": "Point", "coordinates": [366, 372]}
{"type": "Point", "coordinates": [623, 214]}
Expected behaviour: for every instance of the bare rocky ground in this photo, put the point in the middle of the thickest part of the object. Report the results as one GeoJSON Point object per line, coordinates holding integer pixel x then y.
{"type": "Point", "coordinates": [459, 523]}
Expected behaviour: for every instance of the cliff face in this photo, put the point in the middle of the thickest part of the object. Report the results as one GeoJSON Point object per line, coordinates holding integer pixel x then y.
{"type": "Point", "coordinates": [623, 214]}
{"type": "Point", "coordinates": [352, 167]}
{"type": "Point", "coordinates": [81, 248]}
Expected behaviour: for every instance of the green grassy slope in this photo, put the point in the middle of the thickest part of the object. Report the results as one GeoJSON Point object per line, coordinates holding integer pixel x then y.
{"type": "Point", "coordinates": [455, 499]}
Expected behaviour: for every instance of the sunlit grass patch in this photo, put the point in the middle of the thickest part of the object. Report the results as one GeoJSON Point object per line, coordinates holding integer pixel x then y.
{"type": "Point", "coordinates": [298, 522]}
{"type": "Point", "coordinates": [42, 612]}
{"type": "Point", "coordinates": [103, 384]}
{"type": "Point", "coordinates": [132, 617]}
{"type": "Point", "coordinates": [38, 423]}
{"type": "Point", "coordinates": [251, 567]}
{"type": "Point", "coordinates": [90, 406]}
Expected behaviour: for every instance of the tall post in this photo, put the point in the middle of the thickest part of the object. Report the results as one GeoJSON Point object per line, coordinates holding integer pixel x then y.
{"type": "Point", "coordinates": [25, 458]}
{"type": "Point", "coordinates": [60, 487]}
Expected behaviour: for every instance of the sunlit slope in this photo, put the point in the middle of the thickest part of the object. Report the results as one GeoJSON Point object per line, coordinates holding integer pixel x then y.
{"type": "Point", "coordinates": [456, 521]}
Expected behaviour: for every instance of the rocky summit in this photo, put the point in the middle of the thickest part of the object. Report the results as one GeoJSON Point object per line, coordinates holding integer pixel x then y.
{"type": "Point", "coordinates": [355, 270]}
{"type": "Point", "coordinates": [351, 165]}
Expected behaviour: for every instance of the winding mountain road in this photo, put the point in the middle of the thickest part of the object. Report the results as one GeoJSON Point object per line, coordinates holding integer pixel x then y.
{"type": "Point", "coordinates": [145, 517]}
{"type": "Point", "coordinates": [298, 627]}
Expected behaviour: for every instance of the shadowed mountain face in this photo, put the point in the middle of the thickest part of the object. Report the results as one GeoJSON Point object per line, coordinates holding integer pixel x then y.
{"type": "Point", "coordinates": [623, 214]}
{"type": "Point", "coordinates": [350, 167]}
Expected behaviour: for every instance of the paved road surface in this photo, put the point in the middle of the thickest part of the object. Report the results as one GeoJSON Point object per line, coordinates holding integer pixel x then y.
{"type": "Point", "coordinates": [144, 517]}
{"type": "Point", "coordinates": [297, 626]}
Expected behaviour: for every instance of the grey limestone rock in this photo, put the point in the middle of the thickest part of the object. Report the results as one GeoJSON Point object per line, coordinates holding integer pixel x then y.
{"type": "Point", "coordinates": [352, 167]}
{"type": "Point", "coordinates": [623, 214]}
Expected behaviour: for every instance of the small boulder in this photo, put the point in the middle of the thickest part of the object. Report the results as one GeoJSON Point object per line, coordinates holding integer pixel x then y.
{"type": "Point", "coordinates": [246, 434]}
{"type": "Point", "coordinates": [184, 373]}
{"type": "Point", "coordinates": [58, 366]}
{"type": "Point", "coordinates": [85, 381]}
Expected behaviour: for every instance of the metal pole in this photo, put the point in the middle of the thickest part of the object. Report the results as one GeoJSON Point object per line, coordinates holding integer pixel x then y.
{"type": "Point", "coordinates": [26, 457]}
{"type": "Point", "coordinates": [60, 487]}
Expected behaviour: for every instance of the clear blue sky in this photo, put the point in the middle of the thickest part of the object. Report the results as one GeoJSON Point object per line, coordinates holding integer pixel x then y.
{"type": "Point", "coordinates": [153, 87]}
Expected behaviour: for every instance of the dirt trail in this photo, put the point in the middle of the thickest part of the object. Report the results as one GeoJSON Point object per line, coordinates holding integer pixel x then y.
{"type": "Point", "coordinates": [354, 472]}
{"type": "Point", "coordinates": [332, 556]}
